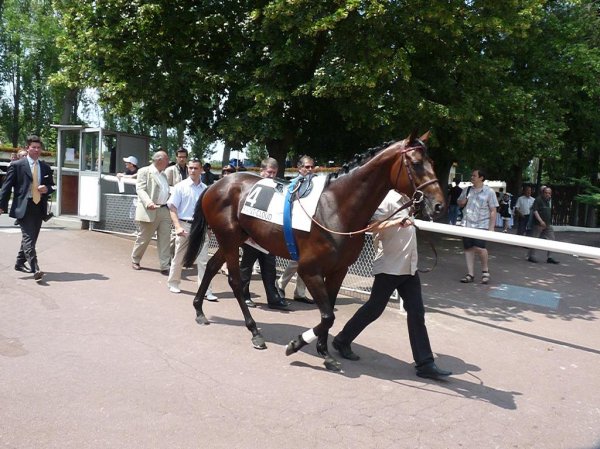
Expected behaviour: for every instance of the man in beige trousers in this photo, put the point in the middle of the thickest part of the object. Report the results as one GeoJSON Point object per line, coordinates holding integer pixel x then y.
{"type": "Point", "coordinates": [151, 213]}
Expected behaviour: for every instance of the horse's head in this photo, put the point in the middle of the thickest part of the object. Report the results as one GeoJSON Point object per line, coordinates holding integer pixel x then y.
{"type": "Point", "coordinates": [413, 174]}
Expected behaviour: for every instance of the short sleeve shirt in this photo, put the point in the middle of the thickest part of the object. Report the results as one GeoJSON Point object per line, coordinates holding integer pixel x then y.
{"type": "Point", "coordinates": [524, 204]}
{"type": "Point", "coordinates": [185, 196]}
{"type": "Point", "coordinates": [544, 208]}
{"type": "Point", "coordinates": [396, 246]}
{"type": "Point", "coordinates": [476, 213]}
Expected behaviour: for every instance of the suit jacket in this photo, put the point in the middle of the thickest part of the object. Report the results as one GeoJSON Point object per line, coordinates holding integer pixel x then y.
{"type": "Point", "coordinates": [19, 178]}
{"type": "Point", "coordinates": [173, 174]}
{"type": "Point", "coordinates": [148, 191]}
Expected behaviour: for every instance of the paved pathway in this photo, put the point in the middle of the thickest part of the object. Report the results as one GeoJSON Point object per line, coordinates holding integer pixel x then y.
{"type": "Point", "coordinates": [100, 356]}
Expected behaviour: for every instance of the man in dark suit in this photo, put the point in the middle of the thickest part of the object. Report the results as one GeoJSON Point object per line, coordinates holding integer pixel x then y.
{"type": "Point", "coordinates": [32, 182]}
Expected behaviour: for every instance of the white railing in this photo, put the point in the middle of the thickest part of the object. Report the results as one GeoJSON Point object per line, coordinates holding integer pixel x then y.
{"type": "Point", "coordinates": [119, 210]}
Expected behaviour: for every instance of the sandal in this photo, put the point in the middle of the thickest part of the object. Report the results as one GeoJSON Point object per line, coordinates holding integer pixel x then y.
{"type": "Point", "coordinates": [467, 279]}
{"type": "Point", "coordinates": [485, 277]}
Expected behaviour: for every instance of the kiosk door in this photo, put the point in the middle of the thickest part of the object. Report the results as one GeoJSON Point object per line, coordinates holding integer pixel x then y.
{"type": "Point", "coordinates": [90, 160]}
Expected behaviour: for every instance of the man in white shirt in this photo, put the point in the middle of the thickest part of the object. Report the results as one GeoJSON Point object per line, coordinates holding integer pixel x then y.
{"type": "Point", "coordinates": [152, 213]}
{"type": "Point", "coordinates": [523, 209]}
{"type": "Point", "coordinates": [395, 268]}
{"type": "Point", "coordinates": [479, 205]}
{"type": "Point", "coordinates": [181, 206]}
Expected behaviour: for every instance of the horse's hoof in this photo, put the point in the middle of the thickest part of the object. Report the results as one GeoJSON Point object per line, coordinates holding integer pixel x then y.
{"type": "Point", "coordinates": [259, 342]}
{"type": "Point", "coordinates": [333, 365]}
{"type": "Point", "coordinates": [291, 348]}
{"type": "Point", "coordinates": [295, 345]}
{"type": "Point", "coordinates": [201, 319]}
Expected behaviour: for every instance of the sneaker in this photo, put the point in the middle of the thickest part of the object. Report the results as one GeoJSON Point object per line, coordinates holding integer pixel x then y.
{"type": "Point", "coordinates": [210, 297]}
{"type": "Point", "coordinates": [174, 289]}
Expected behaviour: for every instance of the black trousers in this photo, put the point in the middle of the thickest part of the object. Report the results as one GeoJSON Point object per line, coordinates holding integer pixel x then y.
{"type": "Point", "coordinates": [522, 225]}
{"type": "Point", "coordinates": [30, 225]}
{"type": "Point", "coordinates": [268, 272]}
{"type": "Point", "coordinates": [409, 288]}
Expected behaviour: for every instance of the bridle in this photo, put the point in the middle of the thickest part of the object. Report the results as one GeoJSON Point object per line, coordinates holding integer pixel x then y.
{"type": "Point", "coordinates": [417, 197]}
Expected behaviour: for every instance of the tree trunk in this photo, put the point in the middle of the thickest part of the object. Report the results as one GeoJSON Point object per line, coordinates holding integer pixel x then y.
{"type": "Point", "coordinates": [180, 135]}
{"type": "Point", "coordinates": [164, 138]}
{"type": "Point", "coordinates": [69, 107]}
{"type": "Point", "coordinates": [226, 155]}
{"type": "Point", "coordinates": [514, 182]}
{"type": "Point", "coordinates": [15, 127]}
{"type": "Point", "coordinates": [37, 114]}
{"type": "Point", "coordinates": [278, 149]}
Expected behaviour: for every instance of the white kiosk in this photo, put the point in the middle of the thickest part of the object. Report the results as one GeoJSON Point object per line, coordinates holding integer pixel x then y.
{"type": "Point", "coordinates": [86, 162]}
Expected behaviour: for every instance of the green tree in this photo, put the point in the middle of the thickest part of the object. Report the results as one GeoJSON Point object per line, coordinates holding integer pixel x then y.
{"type": "Point", "coordinates": [28, 57]}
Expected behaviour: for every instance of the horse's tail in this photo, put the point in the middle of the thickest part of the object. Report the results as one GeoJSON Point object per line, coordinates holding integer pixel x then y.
{"type": "Point", "coordinates": [197, 234]}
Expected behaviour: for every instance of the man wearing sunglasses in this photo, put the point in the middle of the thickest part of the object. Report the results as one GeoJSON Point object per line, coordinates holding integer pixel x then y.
{"type": "Point", "coordinates": [306, 166]}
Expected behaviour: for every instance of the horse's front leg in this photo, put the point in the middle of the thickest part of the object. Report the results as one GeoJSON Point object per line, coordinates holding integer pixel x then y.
{"type": "Point", "coordinates": [235, 282]}
{"type": "Point", "coordinates": [212, 268]}
{"type": "Point", "coordinates": [316, 287]}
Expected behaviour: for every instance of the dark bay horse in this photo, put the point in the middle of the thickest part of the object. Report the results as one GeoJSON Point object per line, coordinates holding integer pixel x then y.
{"type": "Point", "coordinates": [346, 205]}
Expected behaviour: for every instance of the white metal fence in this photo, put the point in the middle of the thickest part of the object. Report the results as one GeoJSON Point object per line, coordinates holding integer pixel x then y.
{"type": "Point", "coordinates": [118, 211]}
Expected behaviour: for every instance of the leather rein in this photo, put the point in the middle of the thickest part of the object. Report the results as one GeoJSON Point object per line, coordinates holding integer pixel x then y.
{"type": "Point", "coordinates": [417, 198]}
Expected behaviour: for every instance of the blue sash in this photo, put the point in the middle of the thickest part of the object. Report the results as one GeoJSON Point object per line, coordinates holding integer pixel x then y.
{"type": "Point", "coordinates": [288, 232]}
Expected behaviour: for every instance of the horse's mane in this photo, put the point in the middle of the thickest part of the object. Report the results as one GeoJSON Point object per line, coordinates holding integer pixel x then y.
{"type": "Point", "coordinates": [357, 161]}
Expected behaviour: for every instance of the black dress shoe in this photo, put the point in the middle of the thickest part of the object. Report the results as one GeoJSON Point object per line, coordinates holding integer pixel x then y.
{"type": "Point", "coordinates": [532, 260]}
{"type": "Point", "coordinates": [22, 268]}
{"type": "Point", "coordinates": [344, 350]}
{"type": "Point", "coordinates": [551, 260]}
{"type": "Point", "coordinates": [431, 371]}
{"type": "Point", "coordinates": [282, 304]}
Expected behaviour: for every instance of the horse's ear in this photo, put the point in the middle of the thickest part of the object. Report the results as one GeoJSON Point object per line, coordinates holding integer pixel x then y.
{"type": "Point", "coordinates": [425, 136]}
{"type": "Point", "coordinates": [413, 135]}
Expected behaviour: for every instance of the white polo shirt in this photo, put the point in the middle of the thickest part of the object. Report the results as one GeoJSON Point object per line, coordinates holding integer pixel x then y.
{"type": "Point", "coordinates": [396, 246]}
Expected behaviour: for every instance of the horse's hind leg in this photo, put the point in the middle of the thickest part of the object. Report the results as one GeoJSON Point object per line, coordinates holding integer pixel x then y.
{"type": "Point", "coordinates": [235, 282]}
{"type": "Point", "coordinates": [212, 268]}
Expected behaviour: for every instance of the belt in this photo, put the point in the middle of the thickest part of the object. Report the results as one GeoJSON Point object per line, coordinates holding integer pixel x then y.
{"type": "Point", "coordinates": [163, 205]}
{"type": "Point", "coordinates": [186, 221]}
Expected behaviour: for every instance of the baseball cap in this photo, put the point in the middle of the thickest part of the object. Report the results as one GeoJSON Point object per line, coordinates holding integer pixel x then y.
{"type": "Point", "coordinates": [131, 159]}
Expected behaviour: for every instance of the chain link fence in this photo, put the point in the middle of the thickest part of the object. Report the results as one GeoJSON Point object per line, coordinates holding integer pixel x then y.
{"type": "Point", "coordinates": [117, 216]}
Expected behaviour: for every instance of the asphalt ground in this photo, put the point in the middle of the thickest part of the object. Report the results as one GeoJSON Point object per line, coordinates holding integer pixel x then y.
{"type": "Point", "coordinates": [101, 356]}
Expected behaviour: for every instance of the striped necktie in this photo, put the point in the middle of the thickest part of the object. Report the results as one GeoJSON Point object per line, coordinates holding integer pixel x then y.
{"type": "Point", "coordinates": [35, 193]}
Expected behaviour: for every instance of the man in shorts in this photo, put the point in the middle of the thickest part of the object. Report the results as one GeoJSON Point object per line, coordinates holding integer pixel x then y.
{"type": "Point", "coordinates": [479, 205]}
